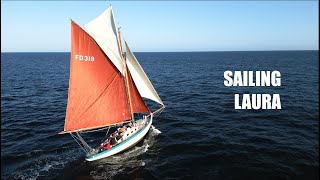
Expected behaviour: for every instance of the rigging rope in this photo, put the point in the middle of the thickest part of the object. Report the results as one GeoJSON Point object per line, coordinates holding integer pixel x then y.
{"type": "Point", "coordinates": [75, 138]}
{"type": "Point", "coordinates": [105, 135]}
{"type": "Point", "coordinates": [84, 142]}
{"type": "Point", "coordinates": [84, 146]}
{"type": "Point", "coordinates": [95, 130]}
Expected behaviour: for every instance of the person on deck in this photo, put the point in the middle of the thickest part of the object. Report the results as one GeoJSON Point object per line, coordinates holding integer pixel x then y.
{"type": "Point", "coordinates": [122, 130]}
{"type": "Point", "coordinates": [113, 140]}
{"type": "Point", "coordinates": [119, 137]}
{"type": "Point", "coordinates": [107, 145]}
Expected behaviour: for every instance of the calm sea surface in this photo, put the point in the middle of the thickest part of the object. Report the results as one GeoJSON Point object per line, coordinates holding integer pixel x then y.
{"type": "Point", "coordinates": [198, 136]}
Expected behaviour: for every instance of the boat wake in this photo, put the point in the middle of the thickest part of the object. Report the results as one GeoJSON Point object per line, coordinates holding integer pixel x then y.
{"type": "Point", "coordinates": [44, 165]}
{"type": "Point", "coordinates": [115, 165]}
{"type": "Point", "coordinates": [155, 130]}
{"type": "Point", "coordinates": [41, 165]}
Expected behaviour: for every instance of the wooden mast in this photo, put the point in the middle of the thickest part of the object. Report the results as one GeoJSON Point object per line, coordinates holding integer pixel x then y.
{"type": "Point", "coordinates": [126, 78]}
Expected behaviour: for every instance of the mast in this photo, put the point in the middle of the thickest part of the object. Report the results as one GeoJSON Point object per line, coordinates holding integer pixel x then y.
{"type": "Point", "coordinates": [126, 78]}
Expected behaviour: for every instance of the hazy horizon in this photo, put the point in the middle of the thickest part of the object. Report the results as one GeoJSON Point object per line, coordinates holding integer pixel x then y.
{"type": "Point", "coordinates": [165, 26]}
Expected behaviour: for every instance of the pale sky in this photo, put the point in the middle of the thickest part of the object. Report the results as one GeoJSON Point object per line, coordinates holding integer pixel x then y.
{"type": "Point", "coordinates": [44, 26]}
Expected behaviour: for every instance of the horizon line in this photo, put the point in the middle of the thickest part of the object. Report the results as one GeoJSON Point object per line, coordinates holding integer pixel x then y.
{"type": "Point", "coordinates": [165, 51]}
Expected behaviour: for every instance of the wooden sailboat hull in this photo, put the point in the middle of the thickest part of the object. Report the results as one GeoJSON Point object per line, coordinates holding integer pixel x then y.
{"type": "Point", "coordinates": [128, 143]}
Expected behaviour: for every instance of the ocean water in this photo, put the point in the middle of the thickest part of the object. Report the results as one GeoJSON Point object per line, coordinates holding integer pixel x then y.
{"type": "Point", "coordinates": [198, 136]}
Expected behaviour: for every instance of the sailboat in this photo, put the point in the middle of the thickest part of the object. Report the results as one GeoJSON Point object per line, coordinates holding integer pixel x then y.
{"type": "Point", "coordinates": [106, 89]}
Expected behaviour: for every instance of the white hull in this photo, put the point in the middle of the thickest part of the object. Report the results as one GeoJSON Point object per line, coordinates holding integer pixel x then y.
{"type": "Point", "coordinates": [131, 141]}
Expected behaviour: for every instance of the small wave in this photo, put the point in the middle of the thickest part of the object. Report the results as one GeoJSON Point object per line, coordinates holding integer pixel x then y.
{"type": "Point", "coordinates": [133, 152]}
{"type": "Point", "coordinates": [142, 163]}
{"type": "Point", "coordinates": [155, 130]}
{"type": "Point", "coordinates": [45, 165]}
{"type": "Point", "coordinates": [106, 172]}
{"type": "Point", "coordinates": [146, 148]}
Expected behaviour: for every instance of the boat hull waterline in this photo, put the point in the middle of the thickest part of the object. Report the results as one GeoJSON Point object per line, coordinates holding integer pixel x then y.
{"type": "Point", "coordinates": [128, 143]}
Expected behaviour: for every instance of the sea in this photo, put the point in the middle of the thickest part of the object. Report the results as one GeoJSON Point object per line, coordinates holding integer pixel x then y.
{"type": "Point", "coordinates": [199, 135]}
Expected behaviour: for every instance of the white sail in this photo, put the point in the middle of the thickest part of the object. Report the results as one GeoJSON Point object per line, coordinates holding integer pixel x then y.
{"type": "Point", "coordinates": [140, 78]}
{"type": "Point", "coordinates": [104, 31]}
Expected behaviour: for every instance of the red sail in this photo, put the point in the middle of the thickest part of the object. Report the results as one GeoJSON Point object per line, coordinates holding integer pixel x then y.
{"type": "Point", "coordinates": [137, 102]}
{"type": "Point", "coordinates": [97, 95]}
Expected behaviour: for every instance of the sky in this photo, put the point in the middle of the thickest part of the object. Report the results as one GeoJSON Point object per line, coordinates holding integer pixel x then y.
{"type": "Point", "coordinates": [166, 26]}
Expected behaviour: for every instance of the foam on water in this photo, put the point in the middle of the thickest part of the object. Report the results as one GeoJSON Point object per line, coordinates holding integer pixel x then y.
{"type": "Point", "coordinates": [44, 165]}
{"type": "Point", "coordinates": [155, 130]}
{"type": "Point", "coordinates": [143, 163]}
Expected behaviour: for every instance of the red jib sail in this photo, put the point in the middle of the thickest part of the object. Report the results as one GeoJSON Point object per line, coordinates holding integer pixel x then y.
{"type": "Point", "coordinates": [138, 105]}
{"type": "Point", "coordinates": [97, 95]}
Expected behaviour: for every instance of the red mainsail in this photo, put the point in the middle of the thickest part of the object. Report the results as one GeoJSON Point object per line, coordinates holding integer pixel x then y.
{"type": "Point", "coordinates": [97, 95]}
